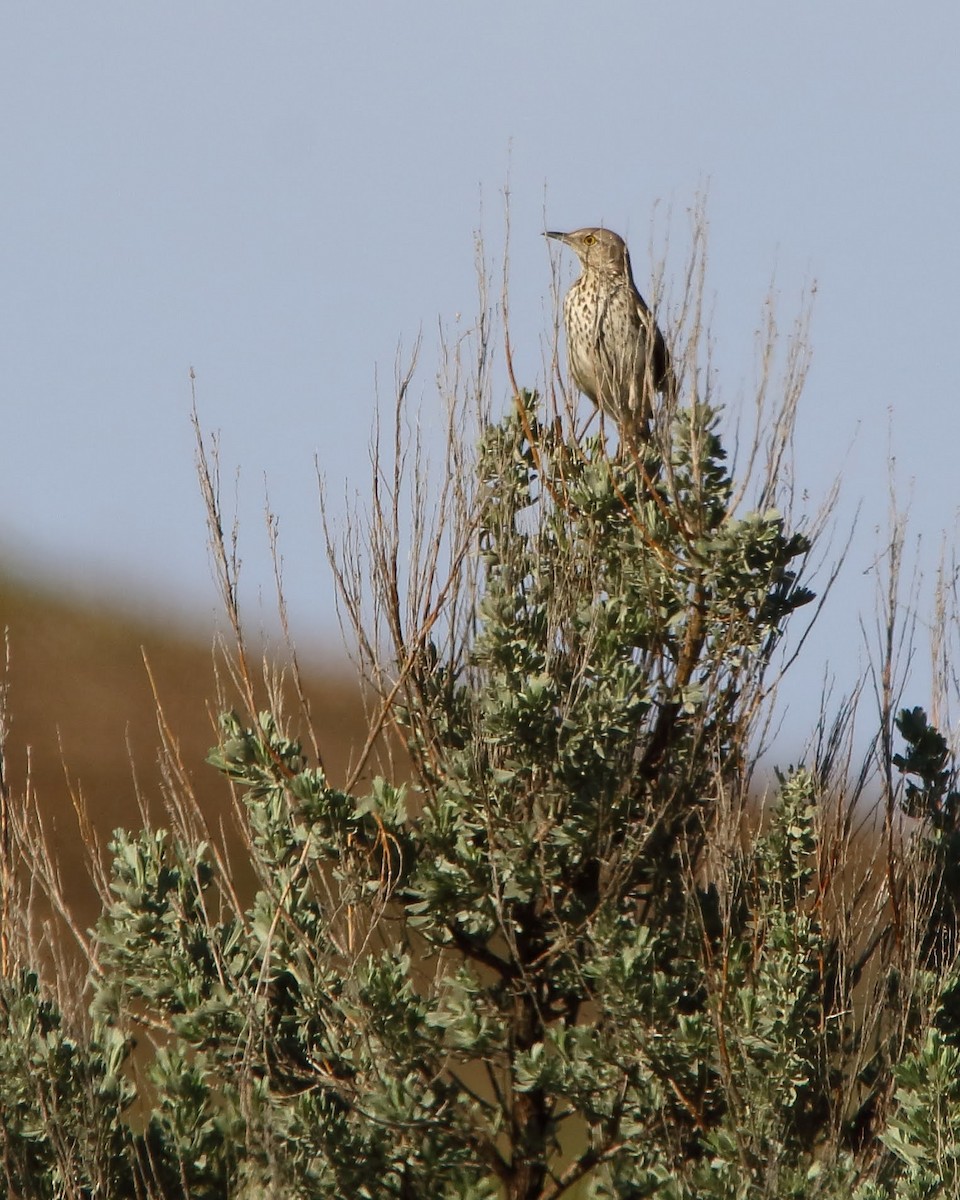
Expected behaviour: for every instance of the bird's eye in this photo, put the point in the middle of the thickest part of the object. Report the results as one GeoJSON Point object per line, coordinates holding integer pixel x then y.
{"type": "Point", "coordinates": [589, 240]}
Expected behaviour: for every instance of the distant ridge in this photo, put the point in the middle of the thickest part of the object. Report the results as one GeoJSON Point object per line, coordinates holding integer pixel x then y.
{"type": "Point", "coordinates": [80, 708]}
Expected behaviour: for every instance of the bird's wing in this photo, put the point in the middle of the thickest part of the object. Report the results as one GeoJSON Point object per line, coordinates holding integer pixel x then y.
{"type": "Point", "coordinates": [659, 354]}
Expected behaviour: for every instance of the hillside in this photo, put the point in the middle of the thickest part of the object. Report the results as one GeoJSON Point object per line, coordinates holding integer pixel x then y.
{"type": "Point", "coordinates": [81, 714]}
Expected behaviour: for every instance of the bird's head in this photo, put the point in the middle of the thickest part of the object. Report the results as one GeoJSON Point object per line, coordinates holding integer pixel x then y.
{"type": "Point", "coordinates": [598, 249]}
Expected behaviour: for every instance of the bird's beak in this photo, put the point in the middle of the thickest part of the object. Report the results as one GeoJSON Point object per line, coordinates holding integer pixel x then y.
{"type": "Point", "coordinates": [561, 237]}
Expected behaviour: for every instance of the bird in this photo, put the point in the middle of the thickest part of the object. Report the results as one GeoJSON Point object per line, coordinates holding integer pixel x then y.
{"type": "Point", "coordinates": [617, 355]}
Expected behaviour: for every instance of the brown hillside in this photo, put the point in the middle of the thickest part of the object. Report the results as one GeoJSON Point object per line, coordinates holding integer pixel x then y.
{"type": "Point", "coordinates": [81, 714]}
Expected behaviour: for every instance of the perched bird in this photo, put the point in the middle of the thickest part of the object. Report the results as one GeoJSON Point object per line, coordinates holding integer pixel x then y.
{"type": "Point", "coordinates": [617, 355]}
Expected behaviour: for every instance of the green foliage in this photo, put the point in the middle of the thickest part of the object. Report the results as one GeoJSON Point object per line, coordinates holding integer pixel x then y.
{"type": "Point", "coordinates": [61, 1100]}
{"type": "Point", "coordinates": [927, 759]}
{"type": "Point", "coordinates": [556, 962]}
{"type": "Point", "coordinates": [925, 1130]}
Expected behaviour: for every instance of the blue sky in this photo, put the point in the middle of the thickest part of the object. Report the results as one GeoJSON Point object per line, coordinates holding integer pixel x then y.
{"type": "Point", "coordinates": [280, 195]}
